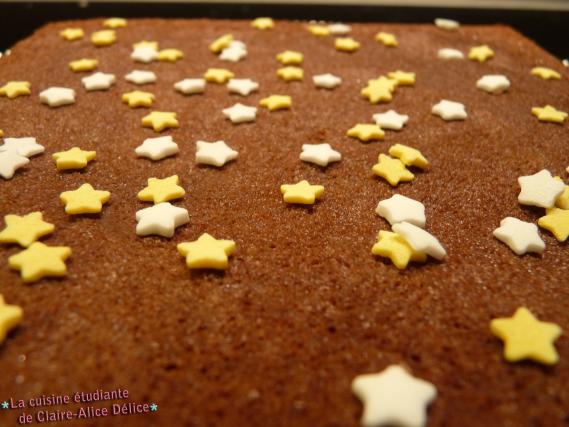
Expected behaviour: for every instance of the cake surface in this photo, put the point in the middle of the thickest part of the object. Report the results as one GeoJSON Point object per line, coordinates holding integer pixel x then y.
{"type": "Point", "coordinates": [304, 307]}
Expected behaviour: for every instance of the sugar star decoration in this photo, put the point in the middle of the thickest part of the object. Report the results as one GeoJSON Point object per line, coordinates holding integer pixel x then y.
{"type": "Point", "coordinates": [326, 81]}
{"type": "Point", "coordinates": [40, 261]}
{"type": "Point", "coordinates": [103, 38]}
{"type": "Point", "coordinates": [446, 24]}
{"type": "Point", "coordinates": [346, 44]}
{"type": "Point", "coordinates": [207, 252]}
{"type": "Point", "coordinates": [318, 30]}
{"type": "Point", "coordinates": [82, 65]}
{"type": "Point", "coordinates": [386, 38]}
{"type": "Point", "coordinates": [14, 89]}
{"type": "Point", "coordinates": [263, 23]}
{"type": "Point", "coordinates": [160, 120]}
{"type": "Point", "coordinates": [556, 221]}
{"type": "Point", "coordinates": [549, 114]}
{"type": "Point", "coordinates": [235, 52]}
{"type": "Point", "coordinates": [290, 57]}
{"type": "Point", "coordinates": [402, 78]}
{"type": "Point", "coordinates": [214, 153]}
{"type": "Point", "coordinates": [218, 75]}
{"type": "Point", "coordinates": [240, 113]}
{"type": "Point", "coordinates": [98, 81]}
{"type": "Point", "coordinates": [522, 237]}
{"type": "Point", "coordinates": [320, 154]}
{"type": "Point", "coordinates": [161, 190]}
{"type": "Point", "coordinates": [276, 102]}
{"type": "Point", "coordinates": [562, 201]}
{"type": "Point", "coordinates": [170, 55]}
{"type": "Point", "coordinates": [72, 34]}
{"type": "Point", "coordinates": [545, 73]}
{"type": "Point", "coordinates": [84, 200]}
{"type": "Point", "coordinates": [339, 29]}
{"type": "Point", "coordinates": [291, 73]}
{"type": "Point", "coordinates": [493, 83]}
{"type": "Point", "coordinates": [393, 397]}
{"type": "Point", "coordinates": [161, 219]}
{"type": "Point", "coordinates": [399, 208]}
{"type": "Point", "coordinates": [114, 23]}
{"type": "Point", "coordinates": [10, 161]}
{"type": "Point", "coordinates": [146, 43]}
{"type": "Point", "coordinates": [74, 158]}
{"type": "Point", "coordinates": [140, 77]}
{"type": "Point", "coordinates": [526, 337]}
{"type": "Point", "coordinates": [221, 43]}
{"type": "Point", "coordinates": [301, 193]}
{"type": "Point", "coordinates": [393, 246]}
{"type": "Point", "coordinates": [409, 156]}
{"type": "Point", "coordinates": [390, 120]}
{"type": "Point", "coordinates": [138, 98]}
{"type": "Point", "coordinates": [379, 89]}
{"type": "Point", "coordinates": [539, 189]}
{"type": "Point", "coordinates": [480, 53]}
{"type": "Point", "coordinates": [157, 148]}
{"type": "Point", "coordinates": [449, 110]}
{"type": "Point", "coordinates": [57, 96]}
{"type": "Point", "coordinates": [190, 86]}
{"type": "Point", "coordinates": [420, 240]}
{"type": "Point", "coordinates": [366, 132]}
{"type": "Point", "coordinates": [26, 229]}
{"type": "Point", "coordinates": [10, 317]}
{"type": "Point", "coordinates": [450, 54]}
{"type": "Point", "coordinates": [144, 54]}
{"type": "Point", "coordinates": [26, 147]}
{"type": "Point", "coordinates": [242, 87]}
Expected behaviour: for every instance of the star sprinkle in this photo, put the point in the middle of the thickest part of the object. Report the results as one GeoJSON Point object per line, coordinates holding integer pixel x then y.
{"type": "Point", "coordinates": [144, 54]}
{"type": "Point", "coordinates": [26, 229]}
{"type": "Point", "coordinates": [240, 113]}
{"type": "Point", "coordinates": [556, 221]}
{"type": "Point", "coordinates": [10, 317]}
{"type": "Point", "coordinates": [235, 52]}
{"type": "Point", "coordinates": [40, 261]}
{"type": "Point", "coordinates": [103, 38]}
{"type": "Point", "coordinates": [480, 53]}
{"type": "Point", "coordinates": [339, 29]}
{"type": "Point", "coordinates": [449, 110]}
{"type": "Point", "coordinates": [446, 24]}
{"type": "Point", "coordinates": [161, 190]}
{"type": "Point", "coordinates": [98, 81]}
{"type": "Point", "coordinates": [393, 246]}
{"type": "Point", "coordinates": [146, 44]}
{"type": "Point", "coordinates": [320, 154]}
{"type": "Point", "coordinates": [114, 23]}
{"type": "Point", "coordinates": [161, 219]}
{"type": "Point", "coordinates": [214, 153]}
{"type": "Point", "coordinates": [562, 201]}
{"type": "Point", "coordinates": [170, 55]}
{"type": "Point", "coordinates": [218, 75]}
{"type": "Point", "coordinates": [84, 64]}
{"type": "Point", "coordinates": [390, 120]}
{"type": "Point", "coordinates": [242, 86]}
{"type": "Point", "coordinates": [402, 78]}
{"type": "Point", "coordinates": [57, 96]}
{"type": "Point", "coordinates": [399, 208]}
{"type": "Point", "coordinates": [540, 189]}
{"type": "Point", "coordinates": [526, 337]}
{"type": "Point", "coordinates": [493, 83]}
{"type": "Point", "coordinates": [190, 86]}
{"type": "Point", "coordinates": [366, 132]}
{"type": "Point", "coordinates": [290, 73]}
{"type": "Point", "coordinates": [379, 89]}
{"type": "Point", "coordinates": [393, 397]}
{"type": "Point", "coordinates": [392, 170]}
{"type": "Point", "coordinates": [138, 98]}
{"type": "Point", "coordinates": [263, 23]}
{"type": "Point", "coordinates": [549, 114]}
{"type": "Point", "coordinates": [346, 44]}
{"type": "Point", "coordinates": [386, 38]}
{"type": "Point", "coordinates": [157, 148]}
{"type": "Point", "coordinates": [420, 240]}
{"type": "Point", "coordinates": [14, 89]}
{"type": "Point", "coordinates": [84, 200]}
{"type": "Point", "coordinates": [140, 77]}
{"type": "Point", "coordinates": [221, 43]}
{"type": "Point", "coordinates": [448, 53]}
{"type": "Point", "coordinates": [318, 30]}
{"type": "Point", "coordinates": [301, 193]}
{"type": "Point", "coordinates": [409, 156]}
{"type": "Point", "coordinates": [326, 81]}
{"type": "Point", "coordinates": [290, 57]}
{"type": "Point", "coordinates": [75, 158]}
{"type": "Point", "coordinates": [160, 120]}
{"type": "Point", "coordinates": [207, 252]}
{"type": "Point", "coordinates": [72, 34]}
{"type": "Point", "coordinates": [276, 102]}
{"type": "Point", "coordinates": [545, 73]}
{"type": "Point", "coordinates": [10, 161]}
{"type": "Point", "coordinates": [26, 147]}
{"type": "Point", "coordinates": [522, 237]}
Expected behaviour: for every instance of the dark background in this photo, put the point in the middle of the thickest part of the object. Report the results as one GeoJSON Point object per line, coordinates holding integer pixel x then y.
{"type": "Point", "coordinates": [548, 28]}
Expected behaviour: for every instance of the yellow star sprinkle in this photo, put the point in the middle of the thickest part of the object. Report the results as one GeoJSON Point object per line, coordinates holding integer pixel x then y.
{"type": "Point", "coordinates": [75, 158]}
{"type": "Point", "coordinates": [395, 247]}
{"type": "Point", "coordinates": [526, 337]}
{"type": "Point", "coordinates": [207, 252]}
{"type": "Point", "coordinates": [71, 34]}
{"type": "Point", "coordinates": [263, 23]}
{"type": "Point", "coordinates": [114, 23]}
{"type": "Point", "coordinates": [83, 65]}
{"type": "Point", "coordinates": [318, 30]}
{"type": "Point", "coordinates": [346, 44]}
{"type": "Point", "coordinates": [386, 38]}
{"type": "Point", "coordinates": [480, 53]}
{"type": "Point", "coordinates": [170, 55]}
{"type": "Point", "coordinates": [402, 78]}
{"type": "Point", "coordinates": [218, 75]}
{"type": "Point", "coordinates": [103, 37]}
{"type": "Point", "coordinates": [25, 229]}
{"type": "Point", "coordinates": [221, 43]}
{"type": "Point", "coordinates": [84, 200]}
{"type": "Point", "coordinates": [290, 73]}
{"type": "Point", "coordinates": [146, 44]}
{"type": "Point", "coordinates": [276, 102]}
{"type": "Point", "coordinates": [160, 120]}
{"type": "Point", "coordinates": [549, 114]}
{"type": "Point", "coordinates": [366, 132]}
{"type": "Point", "coordinates": [545, 73]}
{"type": "Point", "coordinates": [392, 170]}
{"type": "Point", "coordinates": [290, 57]}
{"type": "Point", "coordinates": [161, 190]}
{"type": "Point", "coordinates": [563, 200]}
{"type": "Point", "coordinates": [39, 261]}
{"type": "Point", "coordinates": [10, 317]}
{"type": "Point", "coordinates": [408, 155]}
{"type": "Point", "coordinates": [14, 89]}
{"type": "Point", "coordinates": [379, 90]}
{"type": "Point", "coordinates": [302, 192]}
{"type": "Point", "coordinates": [138, 98]}
{"type": "Point", "coordinates": [556, 221]}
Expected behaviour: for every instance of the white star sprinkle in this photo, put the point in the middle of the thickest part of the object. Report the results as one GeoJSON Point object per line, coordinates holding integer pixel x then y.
{"type": "Point", "coordinates": [448, 53]}
{"type": "Point", "coordinates": [235, 52]}
{"type": "Point", "coordinates": [420, 240]}
{"type": "Point", "coordinates": [160, 219]}
{"type": "Point", "coordinates": [399, 208]}
{"type": "Point", "coordinates": [26, 147]}
{"type": "Point", "coordinates": [98, 81]}
{"type": "Point", "coordinates": [157, 148]}
{"type": "Point", "coordinates": [449, 110]}
{"type": "Point", "coordinates": [390, 120]}
{"type": "Point", "coordinates": [214, 153]}
{"type": "Point", "coordinates": [520, 236]}
{"type": "Point", "coordinates": [320, 154]}
{"type": "Point", "coordinates": [57, 96]}
{"type": "Point", "coordinates": [240, 113]}
{"type": "Point", "coordinates": [446, 24]}
{"type": "Point", "coordinates": [141, 77]}
{"type": "Point", "coordinates": [339, 29]}
{"type": "Point", "coordinates": [326, 81]}
{"type": "Point", "coordinates": [539, 189]}
{"type": "Point", "coordinates": [190, 86]}
{"type": "Point", "coordinates": [242, 86]}
{"type": "Point", "coordinates": [144, 54]}
{"type": "Point", "coordinates": [493, 83]}
{"type": "Point", "coordinates": [10, 160]}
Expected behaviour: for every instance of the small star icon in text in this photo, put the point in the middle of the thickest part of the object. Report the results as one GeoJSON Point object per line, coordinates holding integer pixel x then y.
{"type": "Point", "coordinates": [84, 200]}
{"type": "Point", "coordinates": [25, 229]}
{"type": "Point", "coordinates": [302, 192]}
{"type": "Point", "coordinates": [549, 114]}
{"type": "Point", "coordinates": [160, 120]}
{"type": "Point", "coordinates": [320, 154]}
{"type": "Point", "coordinates": [520, 236]}
{"type": "Point", "coordinates": [74, 158]}
{"type": "Point", "coordinates": [240, 113]}
{"type": "Point", "coordinates": [161, 190]}
{"type": "Point", "coordinates": [10, 317]}
{"type": "Point", "coordinates": [214, 153]}
{"type": "Point", "coordinates": [449, 110]}
{"type": "Point", "coordinates": [154, 407]}
{"type": "Point", "coordinates": [161, 219]}
{"type": "Point", "coordinates": [39, 261]}
{"type": "Point", "coordinates": [5, 404]}
{"type": "Point", "coordinates": [207, 252]}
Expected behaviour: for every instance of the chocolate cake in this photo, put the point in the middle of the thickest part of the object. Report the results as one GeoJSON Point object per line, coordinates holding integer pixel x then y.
{"type": "Point", "coordinates": [303, 307]}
